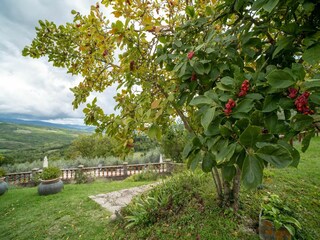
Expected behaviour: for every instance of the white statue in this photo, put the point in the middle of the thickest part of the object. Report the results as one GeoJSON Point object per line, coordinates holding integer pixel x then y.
{"type": "Point", "coordinates": [45, 162]}
{"type": "Point", "coordinates": [160, 160]}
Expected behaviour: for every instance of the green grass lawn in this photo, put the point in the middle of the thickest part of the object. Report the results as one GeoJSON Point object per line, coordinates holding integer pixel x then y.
{"type": "Point", "coordinates": [72, 215]}
{"type": "Point", "coordinates": [69, 214]}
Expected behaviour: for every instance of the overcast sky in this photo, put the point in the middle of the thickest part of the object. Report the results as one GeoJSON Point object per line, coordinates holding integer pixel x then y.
{"type": "Point", "coordinates": [32, 87]}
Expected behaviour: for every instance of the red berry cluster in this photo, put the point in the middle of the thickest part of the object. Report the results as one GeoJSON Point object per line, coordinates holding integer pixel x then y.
{"type": "Point", "coordinates": [190, 55]}
{"type": "Point", "coordinates": [229, 105]}
{"type": "Point", "coordinates": [302, 104]}
{"type": "Point", "coordinates": [244, 88]}
{"type": "Point", "coordinates": [293, 92]}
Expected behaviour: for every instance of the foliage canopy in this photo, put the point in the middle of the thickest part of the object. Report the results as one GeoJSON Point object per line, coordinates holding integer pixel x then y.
{"type": "Point", "coordinates": [242, 75]}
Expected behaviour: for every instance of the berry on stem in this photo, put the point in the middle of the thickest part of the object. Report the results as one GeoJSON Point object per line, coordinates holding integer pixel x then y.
{"type": "Point", "coordinates": [190, 55]}
{"type": "Point", "coordinates": [301, 104]}
{"type": "Point", "coordinates": [293, 92]}
{"type": "Point", "coordinates": [244, 88]}
{"type": "Point", "coordinates": [228, 107]}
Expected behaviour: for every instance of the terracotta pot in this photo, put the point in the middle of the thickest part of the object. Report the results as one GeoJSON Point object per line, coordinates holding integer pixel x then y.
{"type": "Point", "coordinates": [51, 186]}
{"type": "Point", "coordinates": [267, 231]}
{"type": "Point", "coordinates": [3, 186]}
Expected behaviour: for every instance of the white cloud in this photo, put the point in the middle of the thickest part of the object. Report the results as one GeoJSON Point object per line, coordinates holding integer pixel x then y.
{"type": "Point", "coordinates": [33, 86]}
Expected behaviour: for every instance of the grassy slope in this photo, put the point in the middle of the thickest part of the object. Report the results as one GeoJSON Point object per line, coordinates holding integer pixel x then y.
{"type": "Point", "coordinates": [25, 143]}
{"type": "Point", "coordinates": [300, 187]}
{"type": "Point", "coordinates": [71, 214]}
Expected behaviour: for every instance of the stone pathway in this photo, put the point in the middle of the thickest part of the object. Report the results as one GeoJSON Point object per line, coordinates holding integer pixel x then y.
{"type": "Point", "coordinates": [114, 201]}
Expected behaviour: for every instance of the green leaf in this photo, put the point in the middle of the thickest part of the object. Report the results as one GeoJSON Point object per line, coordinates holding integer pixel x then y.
{"type": "Point", "coordinates": [258, 4]}
{"type": "Point", "coordinates": [178, 43]}
{"type": "Point", "coordinates": [161, 58]}
{"type": "Point", "coordinates": [228, 172]}
{"type": "Point", "coordinates": [229, 81]}
{"type": "Point", "coordinates": [300, 122]}
{"type": "Point", "coordinates": [257, 118]}
{"type": "Point", "coordinates": [276, 155]}
{"type": "Point", "coordinates": [298, 71]}
{"type": "Point", "coordinates": [225, 131]}
{"type": "Point", "coordinates": [255, 96]}
{"type": "Point", "coordinates": [242, 124]}
{"type": "Point", "coordinates": [286, 103]}
{"type": "Point", "coordinates": [282, 44]}
{"type": "Point", "coordinates": [312, 55]}
{"type": "Point", "coordinates": [208, 162]}
{"type": "Point", "coordinates": [280, 79]}
{"type": "Point", "coordinates": [207, 117]}
{"type": "Point", "coordinates": [252, 172]}
{"type": "Point", "coordinates": [213, 128]}
{"type": "Point", "coordinates": [212, 141]}
{"type": "Point", "coordinates": [249, 136]}
{"type": "Point", "coordinates": [199, 68]}
{"type": "Point", "coordinates": [294, 153]}
{"type": "Point", "coordinates": [306, 140]}
{"type": "Point", "coordinates": [225, 153]}
{"type": "Point", "coordinates": [201, 100]}
{"type": "Point", "coordinates": [315, 98]}
{"type": "Point", "coordinates": [270, 5]}
{"type": "Point", "coordinates": [187, 150]}
{"type": "Point", "coordinates": [194, 160]}
{"type": "Point", "coordinates": [271, 123]}
{"type": "Point", "coordinates": [311, 84]}
{"type": "Point", "coordinates": [290, 229]}
{"type": "Point", "coordinates": [119, 25]}
{"type": "Point", "coordinates": [154, 132]}
{"type": "Point", "coordinates": [270, 103]}
{"type": "Point", "coordinates": [190, 11]}
{"type": "Point", "coordinates": [244, 106]}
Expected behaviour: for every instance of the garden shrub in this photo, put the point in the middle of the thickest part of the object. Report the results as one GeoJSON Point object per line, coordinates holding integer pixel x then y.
{"type": "Point", "coordinates": [165, 200]}
{"type": "Point", "coordinates": [50, 173]}
{"type": "Point", "coordinates": [80, 177]}
{"type": "Point", "coordinates": [147, 175]}
{"type": "Point", "coordinates": [2, 172]}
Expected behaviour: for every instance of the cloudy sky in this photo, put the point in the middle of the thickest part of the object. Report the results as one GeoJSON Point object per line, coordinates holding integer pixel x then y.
{"type": "Point", "coordinates": [32, 87]}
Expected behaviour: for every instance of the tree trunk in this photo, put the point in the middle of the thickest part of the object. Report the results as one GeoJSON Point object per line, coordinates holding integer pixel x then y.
{"type": "Point", "coordinates": [228, 194]}
{"type": "Point", "coordinates": [236, 190]}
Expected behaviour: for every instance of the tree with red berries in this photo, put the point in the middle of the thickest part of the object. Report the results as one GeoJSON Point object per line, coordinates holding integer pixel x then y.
{"type": "Point", "coordinates": [243, 76]}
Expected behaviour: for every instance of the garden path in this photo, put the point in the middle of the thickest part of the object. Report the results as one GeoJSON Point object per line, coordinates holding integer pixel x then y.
{"type": "Point", "coordinates": [114, 201]}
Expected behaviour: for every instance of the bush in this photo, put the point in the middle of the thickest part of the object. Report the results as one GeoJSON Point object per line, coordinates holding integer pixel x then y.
{"type": "Point", "coordinates": [36, 178]}
{"type": "Point", "coordinates": [80, 177]}
{"type": "Point", "coordinates": [147, 175]}
{"type": "Point", "coordinates": [2, 172]}
{"type": "Point", "coordinates": [165, 200]}
{"type": "Point", "coordinates": [50, 173]}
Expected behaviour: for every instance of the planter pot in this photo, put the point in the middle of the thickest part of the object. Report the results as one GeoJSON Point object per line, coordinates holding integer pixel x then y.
{"type": "Point", "coordinates": [267, 231]}
{"type": "Point", "coordinates": [51, 186]}
{"type": "Point", "coordinates": [3, 186]}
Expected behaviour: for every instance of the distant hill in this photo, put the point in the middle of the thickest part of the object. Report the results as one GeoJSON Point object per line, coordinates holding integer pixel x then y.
{"type": "Point", "coordinates": [34, 122]}
{"type": "Point", "coordinates": [29, 142]}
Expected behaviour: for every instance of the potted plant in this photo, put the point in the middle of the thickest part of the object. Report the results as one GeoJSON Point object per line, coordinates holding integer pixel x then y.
{"type": "Point", "coordinates": [50, 181]}
{"type": "Point", "coordinates": [3, 184]}
{"type": "Point", "coordinates": [276, 220]}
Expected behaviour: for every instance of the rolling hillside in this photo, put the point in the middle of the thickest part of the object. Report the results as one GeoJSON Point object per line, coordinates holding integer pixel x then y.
{"type": "Point", "coordinates": [21, 143]}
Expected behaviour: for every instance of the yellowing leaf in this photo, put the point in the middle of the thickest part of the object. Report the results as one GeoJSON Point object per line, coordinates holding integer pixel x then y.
{"type": "Point", "coordinates": [155, 104]}
{"type": "Point", "coordinates": [117, 14]}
